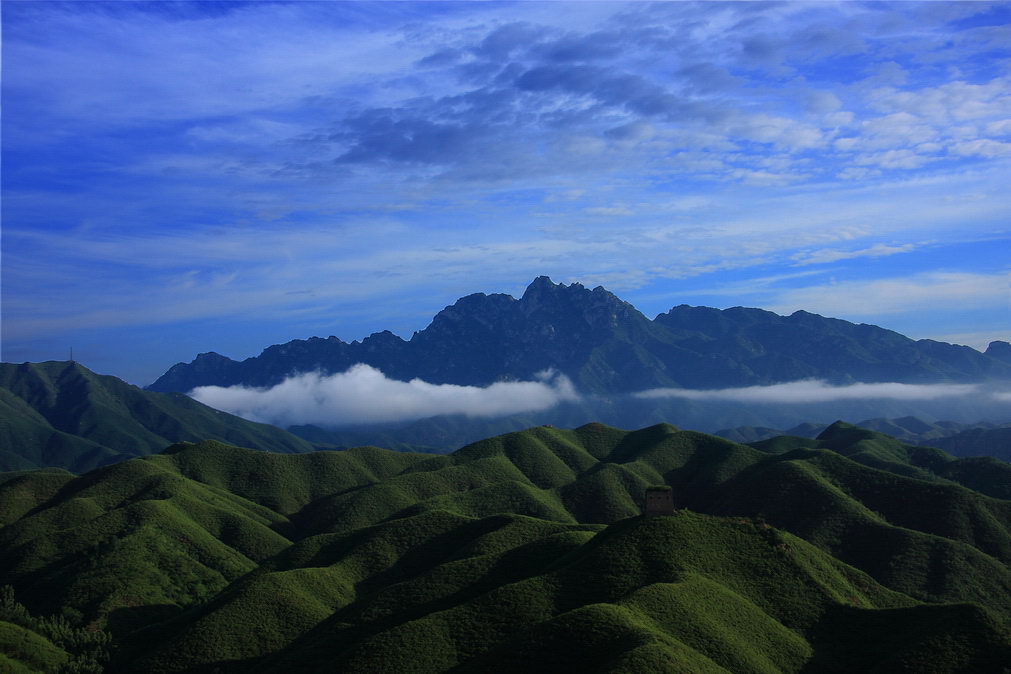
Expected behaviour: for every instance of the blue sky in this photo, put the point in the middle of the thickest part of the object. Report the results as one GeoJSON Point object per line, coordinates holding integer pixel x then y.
{"type": "Point", "coordinates": [187, 177]}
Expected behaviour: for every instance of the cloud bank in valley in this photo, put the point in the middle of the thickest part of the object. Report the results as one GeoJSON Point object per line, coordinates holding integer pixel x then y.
{"type": "Point", "coordinates": [364, 395]}
{"type": "Point", "coordinates": [817, 391]}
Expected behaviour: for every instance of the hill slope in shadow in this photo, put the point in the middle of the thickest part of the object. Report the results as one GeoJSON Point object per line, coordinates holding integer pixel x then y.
{"type": "Point", "coordinates": [61, 414]}
{"type": "Point", "coordinates": [851, 552]}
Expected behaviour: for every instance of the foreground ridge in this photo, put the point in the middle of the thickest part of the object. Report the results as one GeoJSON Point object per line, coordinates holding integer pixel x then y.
{"type": "Point", "coordinates": [61, 414]}
{"type": "Point", "coordinates": [527, 551]}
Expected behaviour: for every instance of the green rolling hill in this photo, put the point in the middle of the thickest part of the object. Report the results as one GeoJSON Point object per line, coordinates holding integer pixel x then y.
{"type": "Point", "coordinates": [961, 439]}
{"type": "Point", "coordinates": [522, 552]}
{"type": "Point", "coordinates": [995, 442]}
{"type": "Point", "coordinates": [59, 413]}
{"type": "Point", "coordinates": [32, 644]}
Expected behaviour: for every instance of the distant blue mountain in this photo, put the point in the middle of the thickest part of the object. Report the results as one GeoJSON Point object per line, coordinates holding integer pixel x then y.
{"type": "Point", "coordinates": [605, 345]}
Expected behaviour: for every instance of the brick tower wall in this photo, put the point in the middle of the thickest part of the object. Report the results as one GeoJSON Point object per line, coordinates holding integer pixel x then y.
{"type": "Point", "coordinates": [659, 502]}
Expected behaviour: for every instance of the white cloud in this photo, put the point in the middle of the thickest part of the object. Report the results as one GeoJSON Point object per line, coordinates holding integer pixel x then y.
{"type": "Point", "coordinates": [982, 147]}
{"type": "Point", "coordinates": [140, 67]}
{"type": "Point", "coordinates": [894, 159]}
{"type": "Point", "coordinates": [816, 391]}
{"type": "Point", "coordinates": [826, 255]}
{"type": "Point", "coordinates": [999, 128]}
{"type": "Point", "coordinates": [858, 173]}
{"type": "Point", "coordinates": [690, 203]}
{"type": "Point", "coordinates": [765, 178]}
{"type": "Point", "coordinates": [44, 293]}
{"type": "Point", "coordinates": [956, 115]}
{"type": "Point", "coordinates": [888, 73]}
{"type": "Point", "coordinates": [822, 102]}
{"type": "Point", "coordinates": [900, 129]}
{"type": "Point", "coordinates": [363, 395]}
{"type": "Point", "coordinates": [952, 101]}
{"type": "Point", "coordinates": [934, 291]}
{"type": "Point", "coordinates": [837, 119]}
{"type": "Point", "coordinates": [783, 133]}
{"type": "Point", "coordinates": [565, 195]}
{"type": "Point", "coordinates": [617, 209]}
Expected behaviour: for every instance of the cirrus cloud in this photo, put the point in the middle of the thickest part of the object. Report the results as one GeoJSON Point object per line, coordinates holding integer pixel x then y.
{"type": "Point", "coordinates": [826, 255]}
{"type": "Point", "coordinates": [937, 290]}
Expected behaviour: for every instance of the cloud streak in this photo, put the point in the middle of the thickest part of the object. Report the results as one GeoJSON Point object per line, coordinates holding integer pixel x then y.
{"type": "Point", "coordinates": [817, 391]}
{"type": "Point", "coordinates": [932, 291]}
{"type": "Point", "coordinates": [826, 255]}
{"type": "Point", "coordinates": [364, 395]}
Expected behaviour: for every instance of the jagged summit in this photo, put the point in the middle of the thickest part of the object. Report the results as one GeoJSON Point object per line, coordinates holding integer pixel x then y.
{"type": "Point", "coordinates": [542, 285]}
{"type": "Point", "coordinates": [999, 350]}
{"type": "Point", "coordinates": [605, 345]}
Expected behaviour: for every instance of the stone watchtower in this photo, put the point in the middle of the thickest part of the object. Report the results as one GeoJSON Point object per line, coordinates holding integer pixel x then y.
{"type": "Point", "coordinates": [659, 501]}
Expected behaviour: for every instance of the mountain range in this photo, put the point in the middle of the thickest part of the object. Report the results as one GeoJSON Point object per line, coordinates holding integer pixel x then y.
{"type": "Point", "coordinates": [604, 345]}
{"type": "Point", "coordinates": [523, 552]}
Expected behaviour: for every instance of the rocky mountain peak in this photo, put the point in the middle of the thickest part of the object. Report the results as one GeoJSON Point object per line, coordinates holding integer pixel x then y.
{"type": "Point", "coordinates": [541, 286]}
{"type": "Point", "coordinates": [999, 350]}
{"type": "Point", "coordinates": [542, 297]}
{"type": "Point", "coordinates": [474, 312]}
{"type": "Point", "coordinates": [210, 357]}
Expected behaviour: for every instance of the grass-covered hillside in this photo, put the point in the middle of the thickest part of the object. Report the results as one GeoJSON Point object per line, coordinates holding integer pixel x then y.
{"type": "Point", "coordinates": [961, 439]}
{"type": "Point", "coordinates": [524, 552]}
{"type": "Point", "coordinates": [994, 442]}
{"type": "Point", "coordinates": [61, 414]}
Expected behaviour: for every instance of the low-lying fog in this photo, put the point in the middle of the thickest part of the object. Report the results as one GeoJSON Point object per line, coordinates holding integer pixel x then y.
{"type": "Point", "coordinates": [364, 396]}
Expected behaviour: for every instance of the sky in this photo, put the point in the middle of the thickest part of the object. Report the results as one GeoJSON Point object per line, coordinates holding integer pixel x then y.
{"type": "Point", "coordinates": [221, 176]}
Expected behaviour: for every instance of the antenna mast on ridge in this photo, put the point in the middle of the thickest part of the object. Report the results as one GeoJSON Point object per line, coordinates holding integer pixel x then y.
{"type": "Point", "coordinates": [71, 354]}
